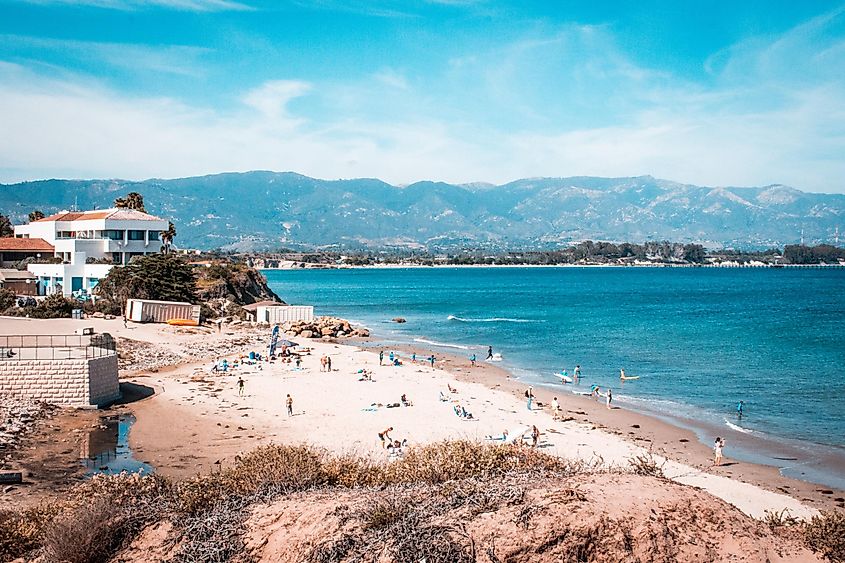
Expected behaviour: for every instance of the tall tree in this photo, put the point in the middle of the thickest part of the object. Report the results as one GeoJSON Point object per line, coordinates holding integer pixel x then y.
{"type": "Point", "coordinates": [155, 276]}
{"type": "Point", "coordinates": [6, 229]}
{"type": "Point", "coordinates": [133, 200]}
{"type": "Point", "coordinates": [35, 215]}
{"type": "Point", "coordinates": [167, 237]}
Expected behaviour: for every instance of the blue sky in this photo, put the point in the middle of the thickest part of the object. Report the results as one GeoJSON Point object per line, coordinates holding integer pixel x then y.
{"type": "Point", "coordinates": [715, 93]}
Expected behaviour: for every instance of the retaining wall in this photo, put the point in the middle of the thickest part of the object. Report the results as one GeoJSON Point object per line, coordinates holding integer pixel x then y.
{"type": "Point", "coordinates": [79, 382]}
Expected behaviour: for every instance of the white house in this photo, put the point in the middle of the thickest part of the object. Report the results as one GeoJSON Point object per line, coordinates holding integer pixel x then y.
{"type": "Point", "coordinates": [108, 237]}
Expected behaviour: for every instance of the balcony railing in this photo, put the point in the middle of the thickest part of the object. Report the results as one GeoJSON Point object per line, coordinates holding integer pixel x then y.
{"type": "Point", "coordinates": [56, 347]}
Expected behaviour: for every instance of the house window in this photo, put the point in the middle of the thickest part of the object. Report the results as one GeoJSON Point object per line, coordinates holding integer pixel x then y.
{"type": "Point", "coordinates": [136, 235]}
{"type": "Point", "coordinates": [113, 234]}
{"type": "Point", "coordinates": [153, 235]}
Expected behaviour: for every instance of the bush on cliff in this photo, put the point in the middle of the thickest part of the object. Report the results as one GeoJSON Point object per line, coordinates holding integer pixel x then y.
{"type": "Point", "coordinates": [164, 277]}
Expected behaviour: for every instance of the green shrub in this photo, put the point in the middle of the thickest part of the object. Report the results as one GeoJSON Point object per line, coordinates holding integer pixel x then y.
{"type": "Point", "coordinates": [7, 299]}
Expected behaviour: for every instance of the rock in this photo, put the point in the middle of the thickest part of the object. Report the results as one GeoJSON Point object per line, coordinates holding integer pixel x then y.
{"type": "Point", "coordinates": [306, 334]}
{"type": "Point", "coordinates": [340, 333]}
{"type": "Point", "coordinates": [328, 331]}
{"type": "Point", "coordinates": [98, 315]}
{"type": "Point", "coordinates": [399, 320]}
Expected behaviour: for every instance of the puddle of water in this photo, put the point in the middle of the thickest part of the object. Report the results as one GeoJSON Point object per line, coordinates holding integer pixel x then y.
{"type": "Point", "coordinates": [106, 449]}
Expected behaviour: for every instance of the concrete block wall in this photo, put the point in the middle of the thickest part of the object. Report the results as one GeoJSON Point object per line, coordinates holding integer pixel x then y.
{"type": "Point", "coordinates": [61, 382]}
{"type": "Point", "coordinates": [103, 386]}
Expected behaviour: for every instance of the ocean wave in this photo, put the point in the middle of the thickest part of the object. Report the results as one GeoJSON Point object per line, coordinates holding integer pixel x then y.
{"type": "Point", "coordinates": [493, 320]}
{"type": "Point", "coordinates": [440, 344]}
{"type": "Point", "coordinates": [733, 426]}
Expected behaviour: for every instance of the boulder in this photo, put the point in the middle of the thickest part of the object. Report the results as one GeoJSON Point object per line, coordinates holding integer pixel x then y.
{"type": "Point", "coordinates": [306, 334]}
{"type": "Point", "coordinates": [328, 331]}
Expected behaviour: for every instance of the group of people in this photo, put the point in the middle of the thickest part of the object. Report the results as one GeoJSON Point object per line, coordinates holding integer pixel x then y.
{"type": "Point", "coordinates": [325, 363]}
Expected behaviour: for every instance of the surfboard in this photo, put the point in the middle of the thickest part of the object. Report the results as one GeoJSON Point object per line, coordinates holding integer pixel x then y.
{"type": "Point", "coordinates": [626, 378]}
{"type": "Point", "coordinates": [182, 322]}
{"type": "Point", "coordinates": [564, 378]}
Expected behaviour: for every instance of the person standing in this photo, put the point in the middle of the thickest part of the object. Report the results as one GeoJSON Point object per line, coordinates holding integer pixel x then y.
{"type": "Point", "coordinates": [328, 363]}
{"type": "Point", "coordinates": [739, 408]}
{"type": "Point", "coordinates": [380, 356]}
{"type": "Point", "coordinates": [240, 386]}
{"type": "Point", "coordinates": [608, 398]}
{"type": "Point", "coordinates": [535, 436]}
{"type": "Point", "coordinates": [431, 360]}
{"type": "Point", "coordinates": [414, 357]}
{"type": "Point", "coordinates": [391, 357]}
{"type": "Point", "coordinates": [289, 404]}
{"type": "Point", "coordinates": [489, 352]}
{"type": "Point", "coordinates": [577, 373]}
{"type": "Point", "coordinates": [718, 446]}
{"type": "Point", "coordinates": [472, 360]}
{"type": "Point", "coordinates": [529, 394]}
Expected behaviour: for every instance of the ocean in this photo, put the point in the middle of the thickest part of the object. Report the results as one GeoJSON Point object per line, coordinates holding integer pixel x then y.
{"type": "Point", "coordinates": [700, 340]}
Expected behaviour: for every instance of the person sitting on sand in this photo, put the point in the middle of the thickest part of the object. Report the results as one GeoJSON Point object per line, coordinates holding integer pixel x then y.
{"type": "Point", "coordinates": [384, 436]}
{"type": "Point", "coordinates": [718, 446]}
{"type": "Point", "coordinates": [451, 389]}
{"type": "Point", "coordinates": [405, 401]}
{"type": "Point", "coordinates": [397, 362]}
{"type": "Point", "coordinates": [443, 398]}
{"type": "Point", "coordinates": [503, 437]}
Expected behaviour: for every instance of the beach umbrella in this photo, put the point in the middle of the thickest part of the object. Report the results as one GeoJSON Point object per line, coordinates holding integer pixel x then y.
{"type": "Point", "coordinates": [288, 343]}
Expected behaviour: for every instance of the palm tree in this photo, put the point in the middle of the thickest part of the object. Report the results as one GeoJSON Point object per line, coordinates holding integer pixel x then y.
{"type": "Point", "coordinates": [35, 215]}
{"type": "Point", "coordinates": [133, 200]}
{"type": "Point", "coordinates": [167, 237]}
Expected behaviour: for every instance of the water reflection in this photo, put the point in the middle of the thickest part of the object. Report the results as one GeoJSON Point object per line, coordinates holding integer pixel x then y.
{"type": "Point", "coordinates": [105, 449]}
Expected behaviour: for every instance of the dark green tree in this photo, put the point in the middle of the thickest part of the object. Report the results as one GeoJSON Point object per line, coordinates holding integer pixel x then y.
{"type": "Point", "coordinates": [35, 215]}
{"type": "Point", "coordinates": [164, 277]}
{"type": "Point", "coordinates": [6, 229]}
{"type": "Point", "coordinates": [133, 200]}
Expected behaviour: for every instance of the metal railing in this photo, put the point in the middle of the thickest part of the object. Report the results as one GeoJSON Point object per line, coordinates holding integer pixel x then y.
{"type": "Point", "coordinates": [56, 347]}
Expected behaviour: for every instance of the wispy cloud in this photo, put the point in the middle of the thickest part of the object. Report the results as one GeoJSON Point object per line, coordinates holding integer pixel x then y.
{"type": "Point", "coordinates": [182, 5]}
{"type": "Point", "coordinates": [554, 101]}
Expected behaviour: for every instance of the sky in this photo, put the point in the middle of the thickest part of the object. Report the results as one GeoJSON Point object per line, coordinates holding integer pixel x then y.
{"type": "Point", "coordinates": [711, 93]}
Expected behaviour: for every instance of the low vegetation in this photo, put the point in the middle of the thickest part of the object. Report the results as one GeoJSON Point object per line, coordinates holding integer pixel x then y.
{"type": "Point", "coordinates": [415, 508]}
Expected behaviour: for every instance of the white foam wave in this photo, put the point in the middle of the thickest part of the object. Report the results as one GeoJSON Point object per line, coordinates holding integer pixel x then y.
{"type": "Point", "coordinates": [733, 426]}
{"type": "Point", "coordinates": [493, 320]}
{"type": "Point", "coordinates": [440, 344]}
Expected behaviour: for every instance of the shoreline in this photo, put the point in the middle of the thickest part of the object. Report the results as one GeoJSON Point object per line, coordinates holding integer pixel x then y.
{"type": "Point", "coordinates": [721, 265]}
{"type": "Point", "coordinates": [197, 423]}
{"type": "Point", "coordinates": [642, 428]}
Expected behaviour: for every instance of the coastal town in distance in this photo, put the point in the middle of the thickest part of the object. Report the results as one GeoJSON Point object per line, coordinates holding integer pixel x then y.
{"type": "Point", "coordinates": [440, 281]}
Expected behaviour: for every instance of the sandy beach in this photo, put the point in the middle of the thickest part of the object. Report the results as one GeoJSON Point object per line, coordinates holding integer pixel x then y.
{"type": "Point", "coordinates": [196, 420]}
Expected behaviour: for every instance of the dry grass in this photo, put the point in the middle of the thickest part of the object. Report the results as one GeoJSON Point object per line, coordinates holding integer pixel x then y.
{"type": "Point", "coordinates": [98, 517]}
{"type": "Point", "coordinates": [647, 464]}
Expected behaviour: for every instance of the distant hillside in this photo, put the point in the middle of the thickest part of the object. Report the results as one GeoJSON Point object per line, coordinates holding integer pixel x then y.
{"type": "Point", "coordinates": [269, 210]}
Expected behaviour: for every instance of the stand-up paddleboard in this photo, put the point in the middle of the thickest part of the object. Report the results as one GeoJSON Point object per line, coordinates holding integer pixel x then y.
{"type": "Point", "coordinates": [564, 378]}
{"type": "Point", "coordinates": [628, 378]}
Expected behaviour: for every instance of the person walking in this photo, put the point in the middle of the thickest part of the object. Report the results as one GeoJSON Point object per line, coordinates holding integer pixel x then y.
{"type": "Point", "coordinates": [472, 360]}
{"type": "Point", "coordinates": [739, 408]}
{"type": "Point", "coordinates": [535, 436]}
{"type": "Point", "coordinates": [289, 404]}
{"type": "Point", "coordinates": [431, 360]}
{"type": "Point", "coordinates": [529, 394]}
{"type": "Point", "coordinates": [489, 352]}
{"type": "Point", "coordinates": [380, 356]}
{"type": "Point", "coordinates": [328, 363]}
{"type": "Point", "coordinates": [240, 387]}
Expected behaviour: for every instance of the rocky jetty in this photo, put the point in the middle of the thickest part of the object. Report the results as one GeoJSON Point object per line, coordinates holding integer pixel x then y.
{"type": "Point", "coordinates": [324, 327]}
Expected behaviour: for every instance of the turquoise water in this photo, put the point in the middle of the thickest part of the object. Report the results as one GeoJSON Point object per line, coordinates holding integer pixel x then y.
{"type": "Point", "coordinates": [700, 340]}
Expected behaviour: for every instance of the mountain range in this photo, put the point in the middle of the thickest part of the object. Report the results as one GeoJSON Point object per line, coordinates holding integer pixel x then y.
{"type": "Point", "coordinates": [262, 210]}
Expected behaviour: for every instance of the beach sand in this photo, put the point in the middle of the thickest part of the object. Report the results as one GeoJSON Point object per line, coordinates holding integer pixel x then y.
{"type": "Point", "coordinates": [197, 422]}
